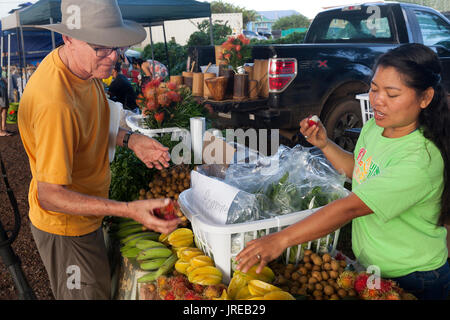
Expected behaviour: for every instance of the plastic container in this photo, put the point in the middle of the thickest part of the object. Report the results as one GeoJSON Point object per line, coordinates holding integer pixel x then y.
{"type": "Point", "coordinates": [219, 241]}
{"type": "Point", "coordinates": [366, 109]}
{"type": "Point", "coordinates": [136, 123]}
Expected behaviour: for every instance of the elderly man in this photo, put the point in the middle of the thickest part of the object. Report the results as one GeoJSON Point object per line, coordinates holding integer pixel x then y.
{"type": "Point", "coordinates": [64, 126]}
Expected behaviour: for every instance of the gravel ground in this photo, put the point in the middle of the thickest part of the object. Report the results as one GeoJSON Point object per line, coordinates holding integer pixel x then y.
{"type": "Point", "coordinates": [19, 176]}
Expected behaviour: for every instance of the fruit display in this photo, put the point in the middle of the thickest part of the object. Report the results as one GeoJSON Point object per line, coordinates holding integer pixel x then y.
{"type": "Point", "coordinates": [168, 183]}
{"type": "Point", "coordinates": [178, 287]}
{"type": "Point", "coordinates": [322, 277]}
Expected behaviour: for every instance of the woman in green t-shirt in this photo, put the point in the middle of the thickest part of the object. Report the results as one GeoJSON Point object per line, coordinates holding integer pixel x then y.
{"type": "Point", "coordinates": [400, 197]}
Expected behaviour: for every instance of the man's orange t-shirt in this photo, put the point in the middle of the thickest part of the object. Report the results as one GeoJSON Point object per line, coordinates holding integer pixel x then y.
{"type": "Point", "coordinates": [64, 125]}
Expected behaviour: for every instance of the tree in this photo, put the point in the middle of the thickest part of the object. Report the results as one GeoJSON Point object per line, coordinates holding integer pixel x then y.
{"type": "Point", "coordinates": [224, 7]}
{"type": "Point", "coordinates": [292, 21]}
{"type": "Point", "coordinates": [202, 37]}
{"type": "Point", "coordinates": [177, 55]}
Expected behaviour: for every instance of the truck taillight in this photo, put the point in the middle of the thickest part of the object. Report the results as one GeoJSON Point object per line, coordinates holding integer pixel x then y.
{"type": "Point", "coordinates": [281, 73]}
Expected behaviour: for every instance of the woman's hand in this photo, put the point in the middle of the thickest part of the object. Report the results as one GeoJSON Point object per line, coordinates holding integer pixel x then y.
{"type": "Point", "coordinates": [315, 134]}
{"type": "Point", "coordinates": [149, 151]}
{"type": "Point", "coordinates": [142, 212]}
{"type": "Point", "coordinates": [260, 251]}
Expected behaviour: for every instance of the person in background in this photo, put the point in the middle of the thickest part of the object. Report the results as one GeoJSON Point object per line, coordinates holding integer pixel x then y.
{"type": "Point", "coordinates": [121, 90]}
{"type": "Point", "coordinates": [64, 126]}
{"type": "Point", "coordinates": [146, 69]}
{"type": "Point", "coordinates": [4, 105]}
{"type": "Point", "coordinates": [400, 199]}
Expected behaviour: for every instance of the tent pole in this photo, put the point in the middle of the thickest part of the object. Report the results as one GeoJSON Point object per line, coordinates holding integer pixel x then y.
{"type": "Point", "coordinates": [9, 65]}
{"type": "Point", "coordinates": [167, 51]}
{"type": "Point", "coordinates": [211, 30]}
{"type": "Point", "coordinates": [53, 35]}
{"type": "Point", "coordinates": [2, 51]}
{"type": "Point", "coordinates": [24, 56]}
{"type": "Point", "coordinates": [153, 54]}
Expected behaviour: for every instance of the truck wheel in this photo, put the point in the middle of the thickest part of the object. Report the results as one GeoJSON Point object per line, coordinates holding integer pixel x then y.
{"type": "Point", "coordinates": [345, 114]}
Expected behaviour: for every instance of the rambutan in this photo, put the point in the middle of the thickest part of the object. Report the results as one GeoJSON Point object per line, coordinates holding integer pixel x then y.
{"type": "Point", "coordinates": [191, 295]}
{"type": "Point", "coordinates": [169, 296]}
{"type": "Point", "coordinates": [361, 282]}
{"type": "Point", "coordinates": [370, 294]}
{"type": "Point", "coordinates": [346, 279]}
{"type": "Point", "coordinates": [391, 295]}
{"type": "Point", "coordinates": [387, 285]}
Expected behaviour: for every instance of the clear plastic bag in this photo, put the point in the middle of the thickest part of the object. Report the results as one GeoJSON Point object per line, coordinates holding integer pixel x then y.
{"type": "Point", "coordinates": [292, 180]}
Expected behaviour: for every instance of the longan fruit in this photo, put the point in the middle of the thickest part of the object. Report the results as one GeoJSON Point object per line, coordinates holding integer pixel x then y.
{"type": "Point", "coordinates": [325, 275]}
{"type": "Point", "coordinates": [342, 293]}
{"type": "Point", "coordinates": [303, 279]}
{"type": "Point", "coordinates": [308, 266]}
{"type": "Point", "coordinates": [308, 252]}
{"type": "Point", "coordinates": [312, 280]}
{"type": "Point", "coordinates": [328, 290]}
{"type": "Point", "coordinates": [317, 275]}
{"type": "Point", "coordinates": [333, 274]}
{"type": "Point", "coordinates": [352, 292]}
{"type": "Point", "coordinates": [295, 275]}
{"type": "Point", "coordinates": [334, 296]}
{"type": "Point", "coordinates": [326, 257]}
{"type": "Point", "coordinates": [317, 293]}
{"type": "Point", "coordinates": [310, 287]}
{"type": "Point", "coordinates": [303, 271]}
{"type": "Point", "coordinates": [316, 268]}
{"type": "Point", "coordinates": [306, 259]}
{"type": "Point", "coordinates": [326, 266]}
{"type": "Point", "coordinates": [318, 286]}
{"type": "Point", "coordinates": [334, 265]}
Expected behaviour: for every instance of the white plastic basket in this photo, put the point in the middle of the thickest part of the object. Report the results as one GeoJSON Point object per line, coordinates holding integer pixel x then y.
{"type": "Point", "coordinates": [366, 109]}
{"type": "Point", "coordinates": [215, 240]}
{"type": "Point", "coordinates": [136, 123]}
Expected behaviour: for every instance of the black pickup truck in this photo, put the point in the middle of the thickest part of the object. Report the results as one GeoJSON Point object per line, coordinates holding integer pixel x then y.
{"type": "Point", "coordinates": [322, 75]}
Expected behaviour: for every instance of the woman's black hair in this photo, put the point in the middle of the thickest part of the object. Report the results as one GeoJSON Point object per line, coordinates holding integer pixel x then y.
{"type": "Point", "coordinates": [421, 69]}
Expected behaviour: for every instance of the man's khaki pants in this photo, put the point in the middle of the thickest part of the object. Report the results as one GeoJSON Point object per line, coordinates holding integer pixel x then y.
{"type": "Point", "coordinates": [77, 267]}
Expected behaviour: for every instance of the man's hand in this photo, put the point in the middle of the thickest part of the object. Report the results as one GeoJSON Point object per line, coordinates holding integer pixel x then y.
{"type": "Point", "coordinates": [149, 151]}
{"type": "Point", "coordinates": [143, 211]}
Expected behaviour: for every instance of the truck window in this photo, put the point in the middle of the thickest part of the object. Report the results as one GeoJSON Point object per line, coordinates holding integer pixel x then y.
{"type": "Point", "coordinates": [352, 26]}
{"type": "Point", "coordinates": [435, 30]}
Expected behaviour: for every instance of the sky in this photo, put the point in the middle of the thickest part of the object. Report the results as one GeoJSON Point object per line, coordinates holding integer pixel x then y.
{"type": "Point", "coordinates": [308, 8]}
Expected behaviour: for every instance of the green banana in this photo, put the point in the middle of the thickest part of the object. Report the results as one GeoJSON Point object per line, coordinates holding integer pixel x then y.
{"type": "Point", "coordinates": [152, 264]}
{"type": "Point", "coordinates": [126, 231]}
{"type": "Point", "coordinates": [152, 253]}
{"type": "Point", "coordinates": [165, 268]}
{"type": "Point", "coordinates": [131, 253]}
{"type": "Point", "coordinates": [145, 244]}
{"type": "Point", "coordinates": [125, 224]}
{"type": "Point", "coordinates": [133, 238]}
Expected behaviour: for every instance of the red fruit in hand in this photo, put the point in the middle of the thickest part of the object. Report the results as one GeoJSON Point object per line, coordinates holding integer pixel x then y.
{"type": "Point", "coordinates": [313, 120]}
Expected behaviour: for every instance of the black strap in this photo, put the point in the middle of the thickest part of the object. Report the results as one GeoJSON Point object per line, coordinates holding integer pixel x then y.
{"type": "Point", "coordinates": [12, 200]}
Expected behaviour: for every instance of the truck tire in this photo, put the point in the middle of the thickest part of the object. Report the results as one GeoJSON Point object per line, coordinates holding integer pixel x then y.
{"type": "Point", "coordinates": [345, 114]}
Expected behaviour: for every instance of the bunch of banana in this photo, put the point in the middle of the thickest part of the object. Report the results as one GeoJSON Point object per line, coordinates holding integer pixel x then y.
{"type": "Point", "coordinates": [198, 267]}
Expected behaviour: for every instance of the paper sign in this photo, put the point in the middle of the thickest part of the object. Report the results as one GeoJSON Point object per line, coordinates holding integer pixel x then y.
{"type": "Point", "coordinates": [211, 197]}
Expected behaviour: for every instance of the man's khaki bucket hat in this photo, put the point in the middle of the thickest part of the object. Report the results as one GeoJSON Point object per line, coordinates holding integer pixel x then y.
{"type": "Point", "coordinates": [97, 22]}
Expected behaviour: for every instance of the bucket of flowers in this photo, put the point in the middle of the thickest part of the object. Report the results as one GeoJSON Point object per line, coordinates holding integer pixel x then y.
{"type": "Point", "coordinates": [235, 51]}
{"type": "Point", "coordinates": [167, 105]}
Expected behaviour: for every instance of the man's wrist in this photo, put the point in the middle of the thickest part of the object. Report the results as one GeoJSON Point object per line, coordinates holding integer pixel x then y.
{"type": "Point", "coordinates": [126, 139]}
